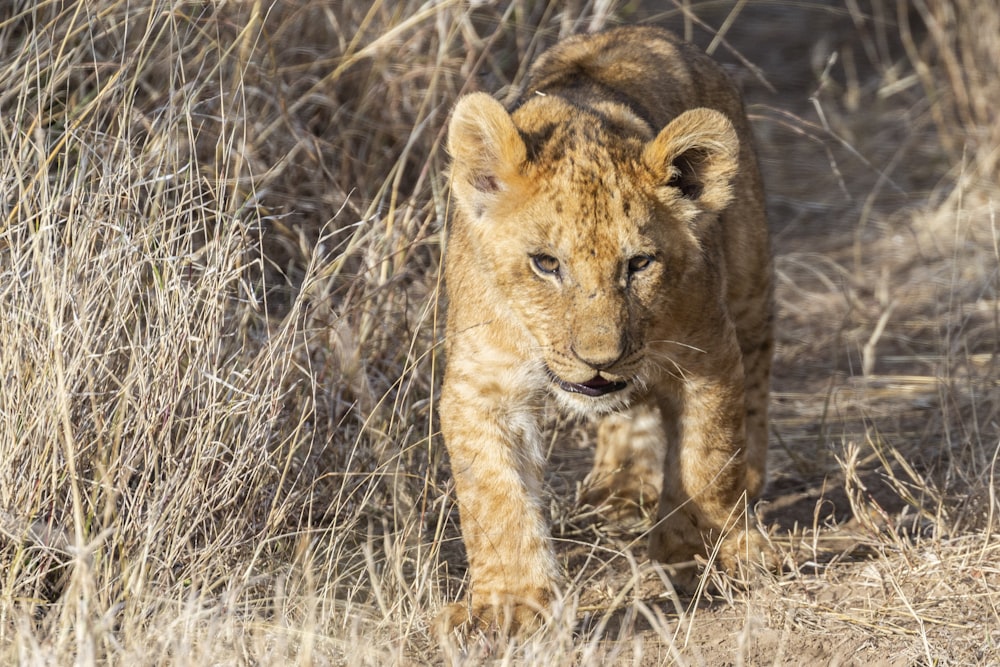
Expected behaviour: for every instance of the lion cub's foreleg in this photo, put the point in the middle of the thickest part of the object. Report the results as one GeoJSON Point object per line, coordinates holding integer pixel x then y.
{"type": "Point", "coordinates": [492, 434]}
{"type": "Point", "coordinates": [707, 473]}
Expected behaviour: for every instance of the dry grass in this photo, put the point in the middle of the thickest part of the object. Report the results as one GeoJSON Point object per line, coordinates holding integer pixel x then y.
{"type": "Point", "coordinates": [220, 230]}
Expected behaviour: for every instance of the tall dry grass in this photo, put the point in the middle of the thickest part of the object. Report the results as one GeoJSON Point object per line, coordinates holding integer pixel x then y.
{"type": "Point", "coordinates": [218, 270]}
{"type": "Point", "coordinates": [220, 232]}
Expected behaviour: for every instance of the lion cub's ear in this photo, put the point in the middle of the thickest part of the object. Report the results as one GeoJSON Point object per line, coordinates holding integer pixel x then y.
{"type": "Point", "coordinates": [697, 154]}
{"type": "Point", "coordinates": [487, 152]}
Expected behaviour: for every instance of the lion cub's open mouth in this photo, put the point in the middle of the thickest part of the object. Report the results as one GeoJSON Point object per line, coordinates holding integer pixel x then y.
{"type": "Point", "coordinates": [595, 386]}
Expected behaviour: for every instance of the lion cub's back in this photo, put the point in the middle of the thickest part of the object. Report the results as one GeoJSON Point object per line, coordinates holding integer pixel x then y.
{"type": "Point", "coordinates": [649, 69]}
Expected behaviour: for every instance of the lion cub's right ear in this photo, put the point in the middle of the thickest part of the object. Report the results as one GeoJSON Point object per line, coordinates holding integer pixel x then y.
{"type": "Point", "coordinates": [487, 153]}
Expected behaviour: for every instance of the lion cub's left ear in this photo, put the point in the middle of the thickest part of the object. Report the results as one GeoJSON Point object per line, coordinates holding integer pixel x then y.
{"type": "Point", "coordinates": [487, 152]}
{"type": "Point", "coordinates": [697, 154]}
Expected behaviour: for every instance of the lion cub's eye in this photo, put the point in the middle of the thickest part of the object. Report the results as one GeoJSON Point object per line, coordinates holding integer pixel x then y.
{"type": "Point", "coordinates": [546, 264]}
{"type": "Point", "coordinates": [639, 263]}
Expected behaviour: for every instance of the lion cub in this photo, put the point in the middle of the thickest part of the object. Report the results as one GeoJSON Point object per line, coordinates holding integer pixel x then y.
{"type": "Point", "coordinates": [609, 249]}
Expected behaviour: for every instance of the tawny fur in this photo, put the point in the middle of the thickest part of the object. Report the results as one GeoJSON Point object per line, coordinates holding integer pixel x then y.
{"type": "Point", "coordinates": [609, 232]}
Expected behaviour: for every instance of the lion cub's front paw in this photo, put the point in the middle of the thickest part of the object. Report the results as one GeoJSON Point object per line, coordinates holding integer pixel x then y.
{"type": "Point", "coordinates": [628, 503]}
{"type": "Point", "coordinates": [495, 614]}
{"type": "Point", "coordinates": [742, 554]}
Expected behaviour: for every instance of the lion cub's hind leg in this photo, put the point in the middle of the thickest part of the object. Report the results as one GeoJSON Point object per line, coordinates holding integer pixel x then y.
{"type": "Point", "coordinates": [758, 349]}
{"type": "Point", "coordinates": [628, 465]}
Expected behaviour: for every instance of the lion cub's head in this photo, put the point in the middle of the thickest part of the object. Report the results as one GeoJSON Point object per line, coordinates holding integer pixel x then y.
{"type": "Point", "coordinates": [592, 230]}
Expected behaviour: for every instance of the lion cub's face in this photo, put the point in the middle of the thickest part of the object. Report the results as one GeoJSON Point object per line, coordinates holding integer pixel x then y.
{"type": "Point", "coordinates": [589, 233]}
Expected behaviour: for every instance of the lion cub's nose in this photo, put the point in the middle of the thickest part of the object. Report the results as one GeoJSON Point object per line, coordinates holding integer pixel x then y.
{"type": "Point", "coordinates": [600, 353]}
